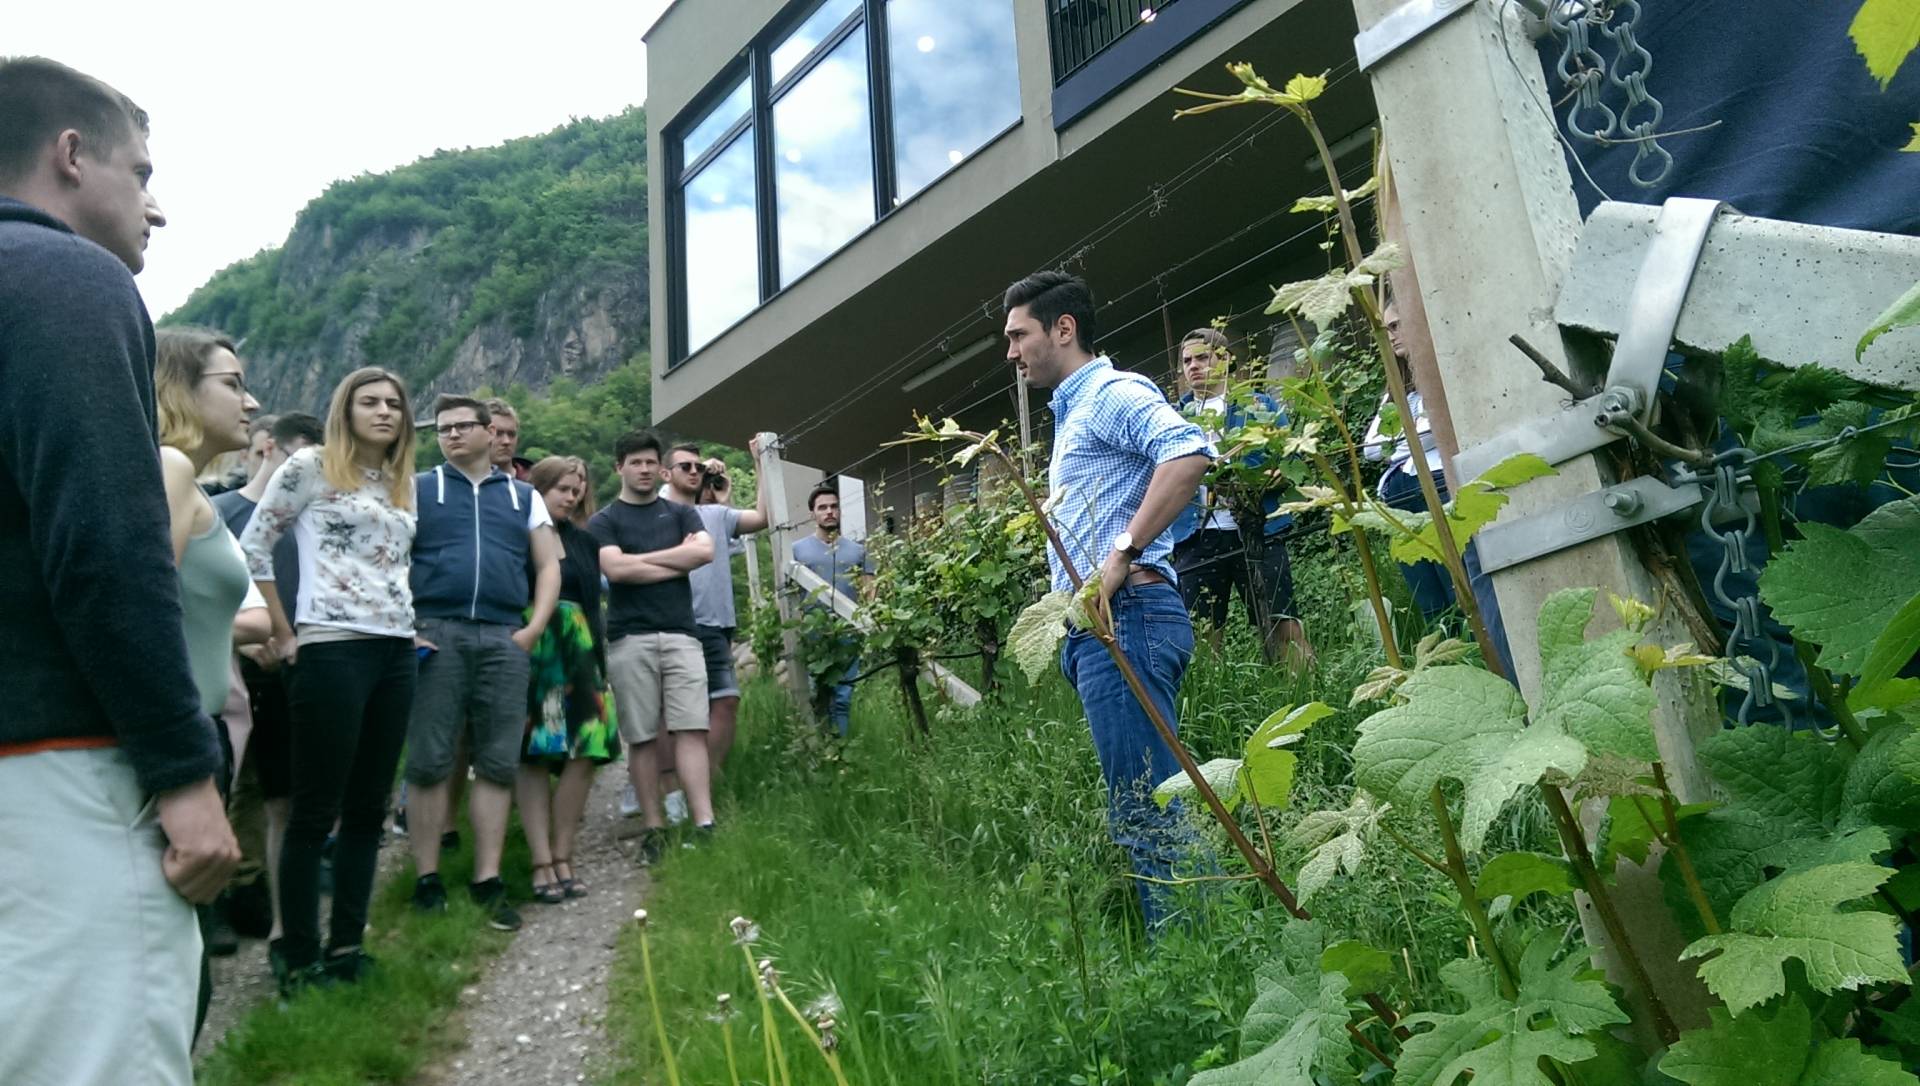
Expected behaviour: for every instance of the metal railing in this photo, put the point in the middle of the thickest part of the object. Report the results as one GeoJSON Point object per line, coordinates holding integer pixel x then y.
{"type": "Point", "coordinates": [1083, 29]}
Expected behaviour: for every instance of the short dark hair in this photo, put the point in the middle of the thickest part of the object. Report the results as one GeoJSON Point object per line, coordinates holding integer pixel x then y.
{"type": "Point", "coordinates": [299, 426]}
{"type": "Point", "coordinates": [636, 441]}
{"type": "Point", "coordinates": [1050, 295]}
{"type": "Point", "coordinates": [44, 98]}
{"type": "Point", "coordinates": [822, 490]}
{"type": "Point", "coordinates": [688, 447]}
{"type": "Point", "coordinates": [447, 401]}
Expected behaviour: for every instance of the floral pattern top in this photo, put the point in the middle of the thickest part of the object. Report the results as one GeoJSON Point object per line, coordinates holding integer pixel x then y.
{"type": "Point", "coordinates": [356, 548]}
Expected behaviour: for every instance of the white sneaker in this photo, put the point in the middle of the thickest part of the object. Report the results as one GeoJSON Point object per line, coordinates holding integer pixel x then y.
{"type": "Point", "coordinates": [676, 807]}
{"type": "Point", "coordinates": [629, 803]}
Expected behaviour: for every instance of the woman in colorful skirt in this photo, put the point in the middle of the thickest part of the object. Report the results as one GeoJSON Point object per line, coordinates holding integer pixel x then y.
{"type": "Point", "coordinates": [570, 728]}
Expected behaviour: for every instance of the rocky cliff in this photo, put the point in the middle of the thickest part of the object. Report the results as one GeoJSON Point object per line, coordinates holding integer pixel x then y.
{"type": "Point", "coordinates": [503, 266]}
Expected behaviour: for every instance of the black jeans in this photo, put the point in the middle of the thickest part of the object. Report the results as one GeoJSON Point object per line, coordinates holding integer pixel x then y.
{"type": "Point", "coordinates": [349, 702]}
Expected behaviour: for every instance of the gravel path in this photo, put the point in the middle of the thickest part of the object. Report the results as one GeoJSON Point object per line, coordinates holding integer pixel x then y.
{"type": "Point", "coordinates": [538, 1018]}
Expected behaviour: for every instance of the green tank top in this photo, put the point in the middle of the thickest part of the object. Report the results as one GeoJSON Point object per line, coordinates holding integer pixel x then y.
{"type": "Point", "coordinates": [213, 582]}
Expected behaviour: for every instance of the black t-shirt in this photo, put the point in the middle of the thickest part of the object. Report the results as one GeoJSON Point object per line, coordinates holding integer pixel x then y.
{"type": "Point", "coordinates": [663, 607]}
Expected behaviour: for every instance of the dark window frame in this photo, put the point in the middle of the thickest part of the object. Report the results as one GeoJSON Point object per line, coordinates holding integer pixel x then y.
{"type": "Point", "coordinates": [754, 63]}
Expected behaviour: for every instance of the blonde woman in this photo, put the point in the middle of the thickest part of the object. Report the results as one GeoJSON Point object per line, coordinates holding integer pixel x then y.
{"type": "Point", "coordinates": [569, 730]}
{"type": "Point", "coordinates": [200, 389]}
{"type": "Point", "coordinates": [348, 639]}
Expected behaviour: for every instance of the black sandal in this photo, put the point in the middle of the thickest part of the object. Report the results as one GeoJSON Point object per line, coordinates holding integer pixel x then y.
{"type": "Point", "coordinates": [550, 893]}
{"type": "Point", "coordinates": [571, 887]}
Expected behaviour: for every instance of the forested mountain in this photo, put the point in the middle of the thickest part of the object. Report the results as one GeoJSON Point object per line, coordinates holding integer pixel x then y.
{"type": "Point", "coordinates": [515, 265]}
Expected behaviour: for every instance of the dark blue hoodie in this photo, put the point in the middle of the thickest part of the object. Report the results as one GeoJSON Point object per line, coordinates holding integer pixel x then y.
{"type": "Point", "coordinates": [90, 631]}
{"type": "Point", "coordinates": [471, 545]}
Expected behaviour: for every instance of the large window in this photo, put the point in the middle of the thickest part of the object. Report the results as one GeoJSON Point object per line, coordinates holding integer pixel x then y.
{"type": "Point", "coordinates": [823, 158]}
{"type": "Point", "coordinates": [955, 85]}
{"type": "Point", "coordinates": [842, 110]}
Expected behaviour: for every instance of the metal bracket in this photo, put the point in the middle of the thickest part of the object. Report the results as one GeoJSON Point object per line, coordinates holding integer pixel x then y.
{"type": "Point", "coordinates": [1633, 377]}
{"type": "Point", "coordinates": [1401, 27]}
{"type": "Point", "coordinates": [1587, 517]}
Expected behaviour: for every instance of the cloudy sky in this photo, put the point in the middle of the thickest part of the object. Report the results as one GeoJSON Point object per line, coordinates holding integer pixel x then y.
{"type": "Point", "coordinates": [257, 107]}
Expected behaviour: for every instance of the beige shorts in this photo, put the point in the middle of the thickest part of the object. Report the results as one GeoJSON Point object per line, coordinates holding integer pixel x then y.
{"type": "Point", "coordinates": [659, 680]}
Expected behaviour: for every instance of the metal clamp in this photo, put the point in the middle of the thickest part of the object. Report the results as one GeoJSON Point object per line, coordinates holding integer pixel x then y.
{"type": "Point", "coordinates": [1585, 518]}
{"type": "Point", "coordinates": [1401, 27]}
{"type": "Point", "coordinates": [1633, 377]}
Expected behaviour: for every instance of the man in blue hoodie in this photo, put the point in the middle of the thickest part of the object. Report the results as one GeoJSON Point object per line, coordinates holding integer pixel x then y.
{"type": "Point", "coordinates": [110, 821]}
{"type": "Point", "coordinates": [481, 533]}
{"type": "Point", "coordinates": [1214, 553]}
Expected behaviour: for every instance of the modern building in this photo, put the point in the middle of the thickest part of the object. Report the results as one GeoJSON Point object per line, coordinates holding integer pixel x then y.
{"type": "Point", "coordinates": [842, 190]}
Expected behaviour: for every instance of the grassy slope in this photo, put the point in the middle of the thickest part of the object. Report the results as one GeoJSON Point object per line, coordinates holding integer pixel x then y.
{"type": "Point", "coordinates": [965, 905]}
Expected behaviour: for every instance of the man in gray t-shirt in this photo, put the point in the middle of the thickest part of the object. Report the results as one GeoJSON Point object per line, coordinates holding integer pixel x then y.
{"type": "Point", "coordinates": [840, 562]}
{"type": "Point", "coordinates": [689, 480]}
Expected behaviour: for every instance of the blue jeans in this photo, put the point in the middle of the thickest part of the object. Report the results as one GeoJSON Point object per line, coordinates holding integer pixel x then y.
{"type": "Point", "coordinates": [840, 702]}
{"type": "Point", "coordinates": [1156, 636]}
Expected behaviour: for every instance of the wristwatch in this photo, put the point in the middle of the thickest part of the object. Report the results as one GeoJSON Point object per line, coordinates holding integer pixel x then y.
{"type": "Point", "coordinates": [1124, 544]}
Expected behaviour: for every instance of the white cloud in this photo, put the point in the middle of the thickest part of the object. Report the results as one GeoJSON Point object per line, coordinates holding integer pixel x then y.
{"type": "Point", "coordinates": [257, 108]}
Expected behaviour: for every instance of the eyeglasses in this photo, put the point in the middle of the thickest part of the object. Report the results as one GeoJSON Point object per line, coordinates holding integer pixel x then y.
{"type": "Point", "coordinates": [454, 429]}
{"type": "Point", "coordinates": [238, 384]}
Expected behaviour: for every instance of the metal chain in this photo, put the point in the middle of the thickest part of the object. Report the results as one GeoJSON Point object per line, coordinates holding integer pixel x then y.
{"type": "Point", "coordinates": [1586, 74]}
{"type": "Point", "coordinates": [1732, 471]}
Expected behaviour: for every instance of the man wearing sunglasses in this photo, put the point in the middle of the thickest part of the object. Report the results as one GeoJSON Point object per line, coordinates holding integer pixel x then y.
{"type": "Point", "coordinates": [713, 611]}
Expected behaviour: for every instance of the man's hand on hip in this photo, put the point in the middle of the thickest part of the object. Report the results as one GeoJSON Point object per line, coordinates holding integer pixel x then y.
{"type": "Point", "coordinates": [1113, 575]}
{"type": "Point", "coordinates": [201, 851]}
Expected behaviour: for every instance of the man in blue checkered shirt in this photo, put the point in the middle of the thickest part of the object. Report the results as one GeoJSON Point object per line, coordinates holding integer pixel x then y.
{"type": "Point", "coordinates": [1125, 464]}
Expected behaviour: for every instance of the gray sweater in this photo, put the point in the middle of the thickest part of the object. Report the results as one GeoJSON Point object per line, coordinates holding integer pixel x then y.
{"type": "Point", "coordinates": [90, 625]}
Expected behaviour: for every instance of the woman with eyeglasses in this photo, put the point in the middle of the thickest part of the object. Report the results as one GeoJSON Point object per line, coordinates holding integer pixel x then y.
{"type": "Point", "coordinates": [201, 400]}
{"type": "Point", "coordinates": [570, 728]}
{"type": "Point", "coordinates": [349, 642]}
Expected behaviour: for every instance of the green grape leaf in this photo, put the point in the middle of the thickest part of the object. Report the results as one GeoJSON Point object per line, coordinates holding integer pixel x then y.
{"type": "Point", "coordinates": [1323, 300]}
{"type": "Point", "coordinates": [1791, 779]}
{"type": "Point", "coordinates": [1842, 589]}
{"type": "Point", "coordinates": [1222, 774]}
{"type": "Point", "coordinates": [1797, 916]}
{"type": "Point", "coordinates": [1519, 874]}
{"type": "Point", "coordinates": [1336, 841]}
{"type": "Point", "coordinates": [1367, 968]}
{"type": "Point", "coordinates": [1502, 1042]}
{"type": "Point", "coordinates": [1884, 32]}
{"type": "Point", "coordinates": [1629, 833]}
{"type": "Point", "coordinates": [1295, 1027]}
{"type": "Point", "coordinates": [1035, 637]}
{"type": "Point", "coordinates": [1471, 508]}
{"type": "Point", "coordinates": [1466, 724]}
{"type": "Point", "coordinates": [1858, 460]}
{"type": "Point", "coordinates": [1878, 786]}
{"type": "Point", "coordinates": [1754, 1050]}
{"type": "Point", "coordinates": [1269, 764]}
{"type": "Point", "coordinates": [1592, 690]}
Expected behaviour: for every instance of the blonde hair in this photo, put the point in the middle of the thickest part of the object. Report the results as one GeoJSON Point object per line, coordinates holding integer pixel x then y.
{"type": "Point", "coordinates": [340, 459]}
{"type": "Point", "coordinates": [182, 356]}
{"type": "Point", "coordinates": [547, 474]}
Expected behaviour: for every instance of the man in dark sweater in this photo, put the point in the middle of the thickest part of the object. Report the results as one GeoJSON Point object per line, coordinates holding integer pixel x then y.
{"type": "Point", "coordinates": [110, 821]}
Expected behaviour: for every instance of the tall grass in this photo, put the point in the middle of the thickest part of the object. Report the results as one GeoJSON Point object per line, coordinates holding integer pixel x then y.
{"type": "Point", "coordinates": [962, 902]}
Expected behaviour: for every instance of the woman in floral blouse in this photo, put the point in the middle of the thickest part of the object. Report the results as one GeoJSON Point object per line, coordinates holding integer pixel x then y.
{"type": "Point", "coordinates": [349, 642]}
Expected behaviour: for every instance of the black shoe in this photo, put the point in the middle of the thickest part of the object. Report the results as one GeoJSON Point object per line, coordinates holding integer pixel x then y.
{"type": "Point", "coordinates": [491, 896]}
{"type": "Point", "coordinates": [215, 932]}
{"type": "Point", "coordinates": [250, 909]}
{"type": "Point", "coordinates": [450, 840]}
{"type": "Point", "coordinates": [293, 979]}
{"type": "Point", "coordinates": [701, 837]}
{"type": "Point", "coordinates": [653, 845]}
{"type": "Point", "coordinates": [429, 896]}
{"type": "Point", "coordinates": [348, 968]}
